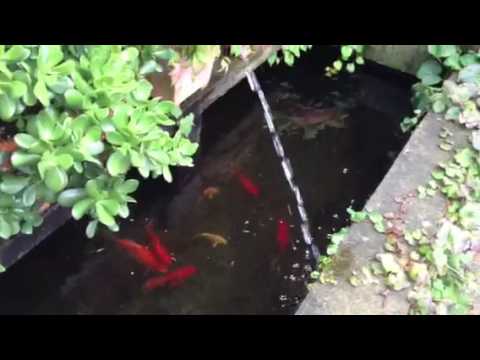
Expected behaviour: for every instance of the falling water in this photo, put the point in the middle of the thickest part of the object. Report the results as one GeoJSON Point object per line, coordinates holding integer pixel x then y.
{"type": "Point", "coordinates": [287, 168]}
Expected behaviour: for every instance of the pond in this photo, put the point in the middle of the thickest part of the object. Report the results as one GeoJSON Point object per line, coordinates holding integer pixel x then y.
{"type": "Point", "coordinates": [338, 158]}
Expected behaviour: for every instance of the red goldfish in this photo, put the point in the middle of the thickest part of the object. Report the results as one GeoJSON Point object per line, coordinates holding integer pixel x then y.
{"type": "Point", "coordinates": [143, 255]}
{"type": "Point", "coordinates": [159, 250]}
{"type": "Point", "coordinates": [283, 235]}
{"type": "Point", "coordinates": [8, 146]}
{"type": "Point", "coordinates": [248, 185]}
{"type": "Point", "coordinates": [172, 279]}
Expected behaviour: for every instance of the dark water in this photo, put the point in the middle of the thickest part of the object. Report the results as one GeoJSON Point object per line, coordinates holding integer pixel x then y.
{"type": "Point", "coordinates": [69, 274]}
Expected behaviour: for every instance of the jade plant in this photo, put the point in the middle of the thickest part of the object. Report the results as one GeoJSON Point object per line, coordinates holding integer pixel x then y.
{"type": "Point", "coordinates": [85, 117]}
{"type": "Point", "coordinates": [86, 120]}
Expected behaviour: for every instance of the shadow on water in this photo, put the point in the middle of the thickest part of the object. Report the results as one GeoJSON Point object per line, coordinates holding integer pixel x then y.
{"type": "Point", "coordinates": [340, 167]}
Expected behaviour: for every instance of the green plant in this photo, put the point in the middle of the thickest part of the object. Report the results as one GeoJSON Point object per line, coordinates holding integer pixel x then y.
{"type": "Point", "coordinates": [85, 117]}
{"type": "Point", "coordinates": [325, 268]}
{"type": "Point", "coordinates": [449, 97]}
{"type": "Point", "coordinates": [350, 56]}
{"type": "Point", "coordinates": [289, 53]}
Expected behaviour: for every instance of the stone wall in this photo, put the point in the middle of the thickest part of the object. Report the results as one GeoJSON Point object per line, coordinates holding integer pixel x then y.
{"type": "Point", "coordinates": [406, 58]}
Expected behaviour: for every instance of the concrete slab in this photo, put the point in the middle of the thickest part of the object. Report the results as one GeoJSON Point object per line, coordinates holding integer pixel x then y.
{"type": "Point", "coordinates": [411, 169]}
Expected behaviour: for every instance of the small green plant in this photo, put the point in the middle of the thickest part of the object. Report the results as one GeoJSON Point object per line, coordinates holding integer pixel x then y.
{"type": "Point", "coordinates": [289, 54]}
{"type": "Point", "coordinates": [450, 97]}
{"type": "Point", "coordinates": [350, 57]}
{"type": "Point", "coordinates": [85, 117]}
{"type": "Point", "coordinates": [325, 272]}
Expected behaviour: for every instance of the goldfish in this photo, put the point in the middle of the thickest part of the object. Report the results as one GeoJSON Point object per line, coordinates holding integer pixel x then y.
{"type": "Point", "coordinates": [213, 238]}
{"type": "Point", "coordinates": [248, 185]}
{"type": "Point", "coordinates": [172, 279]}
{"type": "Point", "coordinates": [211, 192]}
{"type": "Point", "coordinates": [8, 146]}
{"type": "Point", "coordinates": [159, 250]}
{"type": "Point", "coordinates": [283, 235]}
{"type": "Point", "coordinates": [143, 255]}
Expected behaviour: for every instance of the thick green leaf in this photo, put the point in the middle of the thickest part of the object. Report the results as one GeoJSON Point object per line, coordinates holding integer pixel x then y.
{"type": "Point", "coordinates": [103, 215]}
{"type": "Point", "coordinates": [74, 99]}
{"type": "Point", "coordinates": [91, 229]}
{"type": "Point", "coordinates": [442, 51]}
{"type": "Point", "coordinates": [188, 148]}
{"type": "Point", "coordinates": [56, 179]}
{"type": "Point", "coordinates": [338, 65]}
{"type": "Point", "coordinates": [65, 68]}
{"type": "Point", "coordinates": [468, 59]}
{"type": "Point", "coordinates": [143, 91]}
{"type": "Point", "coordinates": [470, 216]}
{"type": "Point", "coordinates": [16, 53]}
{"type": "Point", "coordinates": [118, 164]}
{"type": "Point", "coordinates": [167, 175]}
{"type": "Point", "coordinates": [129, 54]}
{"type": "Point", "coordinates": [159, 155]}
{"type": "Point", "coordinates": [29, 196]}
{"type": "Point", "coordinates": [429, 72]}
{"type": "Point", "coordinates": [350, 67]}
{"type": "Point", "coordinates": [115, 138]}
{"type": "Point", "coordinates": [186, 125]}
{"type": "Point", "coordinates": [49, 56]}
{"type": "Point", "coordinates": [71, 196]}
{"type": "Point", "coordinates": [168, 107]}
{"type": "Point", "coordinates": [6, 200]}
{"type": "Point", "coordinates": [92, 148]}
{"type": "Point", "coordinates": [41, 92]}
{"type": "Point", "coordinates": [138, 160]}
{"type": "Point", "coordinates": [123, 211]}
{"type": "Point", "coordinates": [7, 107]}
{"type": "Point", "coordinates": [111, 206]}
{"type": "Point", "coordinates": [81, 208]}
{"type": "Point", "coordinates": [93, 188]}
{"type": "Point", "coordinates": [453, 113]}
{"type": "Point", "coordinates": [470, 74]}
{"type": "Point", "coordinates": [13, 184]}
{"type": "Point", "coordinates": [346, 51]}
{"type": "Point", "coordinates": [128, 187]}
{"type": "Point", "coordinates": [439, 106]}
{"type": "Point", "coordinates": [453, 62]}
{"type": "Point", "coordinates": [64, 160]}
{"type": "Point", "coordinates": [150, 67]}
{"type": "Point", "coordinates": [27, 228]}
{"type": "Point", "coordinates": [357, 216]}
{"type": "Point", "coordinates": [5, 229]}
{"type": "Point", "coordinates": [60, 84]}
{"type": "Point", "coordinates": [25, 141]}
{"type": "Point", "coordinates": [17, 89]}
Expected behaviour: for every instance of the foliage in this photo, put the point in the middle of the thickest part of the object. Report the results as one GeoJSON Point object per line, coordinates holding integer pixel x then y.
{"type": "Point", "coordinates": [450, 97]}
{"type": "Point", "coordinates": [350, 56]}
{"type": "Point", "coordinates": [439, 269]}
{"type": "Point", "coordinates": [289, 54]}
{"type": "Point", "coordinates": [325, 268]}
{"type": "Point", "coordinates": [86, 118]}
